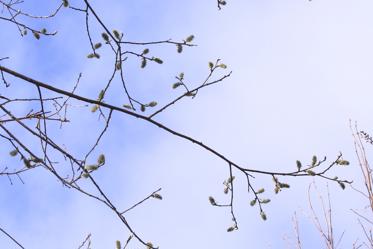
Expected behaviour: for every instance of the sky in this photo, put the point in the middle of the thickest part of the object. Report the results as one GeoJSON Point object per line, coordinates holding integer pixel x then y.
{"type": "Point", "coordinates": [300, 71]}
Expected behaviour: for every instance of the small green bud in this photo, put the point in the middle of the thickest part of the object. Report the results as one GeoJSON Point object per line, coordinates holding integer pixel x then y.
{"type": "Point", "coordinates": [127, 107]}
{"type": "Point", "coordinates": [116, 34]}
{"type": "Point", "coordinates": [284, 185]}
{"type": "Point", "coordinates": [143, 63]}
{"type": "Point", "coordinates": [101, 159]}
{"type": "Point", "coordinates": [13, 153]}
{"type": "Point", "coordinates": [310, 172]}
{"type": "Point", "coordinates": [223, 66]}
{"type": "Point", "coordinates": [36, 35]}
{"type": "Point", "coordinates": [176, 85]}
{"type": "Point", "coordinates": [157, 196]}
{"type": "Point", "coordinates": [43, 31]}
{"type": "Point", "coordinates": [231, 229]}
{"type": "Point", "coordinates": [65, 3]}
{"type": "Point", "coordinates": [101, 95]}
{"type": "Point", "coordinates": [343, 186]}
{"type": "Point", "coordinates": [149, 245]}
{"type": "Point", "coordinates": [314, 161]}
{"type": "Point", "coordinates": [226, 189]}
{"type": "Point", "coordinates": [105, 37]}
{"type": "Point", "coordinates": [98, 45]}
{"type": "Point", "coordinates": [231, 179]}
{"type": "Point", "coordinates": [93, 55]}
{"type": "Point", "coordinates": [146, 50]}
{"type": "Point", "coordinates": [94, 108]}
{"type": "Point", "coordinates": [265, 201]}
{"type": "Point", "coordinates": [260, 191]}
{"type": "Point", "coordinates": [263, 215]}
{"type": "Point", "coordinates": [152, 104]}
{"type": "Point", "coordinates": [211, 65]}
{"type": "Point", "coordinates": [253, 202]}
{"type": "Point", "coordinates": [36, 160]}
{"type": "Point", "coordinates": [118, 65]}
{"type": "Point", "coordinates": [159, 61]}
{"type": "Point", "coordinates": [27, 163]}
{"type": "Point", "coordinates": [212, 201]}
{"type": "Point", "coordinates": [277, 189]}
{"type": "Point", "coordinates": [299, 165]}
{"type": "Point", "coordinates": [189, 38]}
{"type": "Point", "coordinates": [190, 94]}
{"type": "Point", "coordinates": [142, 108]}
{"type": "Point", "coordinates": [343, 162]}
{"type": "Point", "coordinates": [118, 245]}
{"type": "Point", "coordinates": [91, 167]}
{"type": "Point", "coordinates": [179, 48]}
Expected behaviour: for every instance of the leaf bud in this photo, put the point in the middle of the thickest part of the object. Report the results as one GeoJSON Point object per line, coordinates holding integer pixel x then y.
{"type": "Point", "coordinates": [101, 159]}
{"type": "Point", "coordinates": [149, 245]}
{"type": "Point", "coordinates": [342, 185]}
{"type": "Point", "coordinates": [157, 196]}
{"type": "Point", "coordinates": [299, 165]}
{"type": "Point", "coordinates": [212, 200]}
{"type": "Point", "coordinates": [36, 35]}
{"type": "Point", "coordinates": [143, 63]}
{"type": "Point", "coordinates": [263, 215]}
{"type": "Point", "coordinates": [314, 161]}
{"type": "Point", "coordinates": [189, 38]}
{"type": "Point", "coordinates": [98, 45]}
{"type": "Point", "coordinates": [152, 104]}
{"type": "Point", "coordinates": [253, 202]}
{"type": "Point", "coordinates": [284, 185]}
{"type": "Point", "coordinates": [94, 108]}
{"type": "Point", "coordinates": [343, 162]}
{"type": "Point", "coordinates": [179, 48]}
{"type": "Point", "coordinates": [116, 34]}
{"type": "Point", "coordinates": [91, 167]}
{"type": "Point", "coordinates": [13, 152]}
{"type": "Point", "coordinates": [101, 95]}
{"type": "Point", "coordinates": [260, 191]}
{"type": "Point", "coordinates": [127, 107]}
{"type": "Point", "coordinates": [159, 61]}
{"type": "Point", "coordinates": [265, 201]}
{"type": "Point", "coordinates": [65, 3]}
{"type": "Point", "coordinates": [310, 172]}
{"type": "Point", "coordinates": [118, 245]}
{"type": "Point", "coordinates": [105, 37]}
{"type": "Point", "coordinates": [27, 163]}
{"type": "Point", "coordinates": [118, 65]}
{"type": "Point", "coordinates": [226, 189]}
{"type": "Point", "coordinates": [176, 85]}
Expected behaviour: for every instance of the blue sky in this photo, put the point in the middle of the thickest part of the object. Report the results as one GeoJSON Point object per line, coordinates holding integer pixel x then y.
{"type": "Point", "coordinates": [301, 70]}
